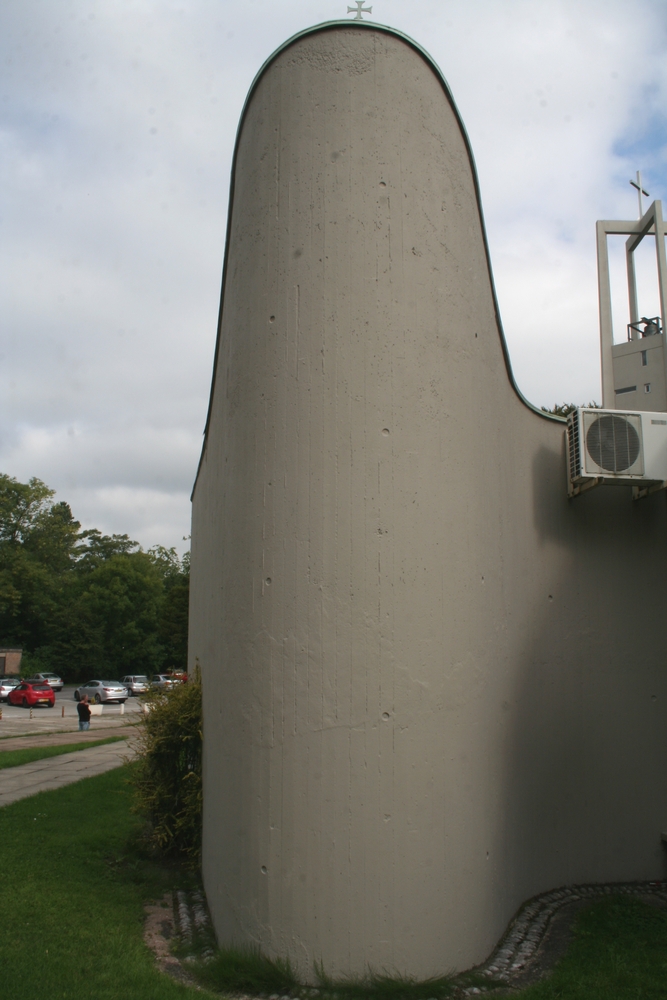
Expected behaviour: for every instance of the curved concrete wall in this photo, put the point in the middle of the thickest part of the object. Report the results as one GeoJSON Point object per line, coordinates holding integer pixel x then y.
{"type": "Point", "coordinates": [433, 686]}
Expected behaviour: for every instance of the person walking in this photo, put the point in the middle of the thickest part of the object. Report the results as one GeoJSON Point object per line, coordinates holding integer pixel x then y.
{"type": "Point", "coordinates": [83, 708]}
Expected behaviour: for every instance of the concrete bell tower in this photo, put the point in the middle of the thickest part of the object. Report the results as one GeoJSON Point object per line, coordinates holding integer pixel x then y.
{"type": "Point", "coordinates": [634, 374]}
{"type": "Point", "coordinates": [427, 697]}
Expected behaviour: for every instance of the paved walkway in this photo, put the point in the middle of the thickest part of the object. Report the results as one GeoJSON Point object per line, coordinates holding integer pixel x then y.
{"type": "Point", "coordinates": [54, 772]}
{"type": "Point", "coordinates": [61, 739]}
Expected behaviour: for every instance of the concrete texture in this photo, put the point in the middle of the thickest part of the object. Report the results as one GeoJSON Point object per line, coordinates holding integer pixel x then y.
{"type": "Point", "coordinates": [630, 369]}
{"type": "Point", "coordinates": [622, 366]}
{"type": "Point", "coordinates": [54, 772]}
{"type": "Point", "coordinates": [433, 686]}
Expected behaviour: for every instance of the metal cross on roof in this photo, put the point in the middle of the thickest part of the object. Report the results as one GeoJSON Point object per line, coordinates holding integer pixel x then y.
{"type": "Point", "coordinates": [640, 191]}
{"type": "Point", "coordinates": [359, 10]}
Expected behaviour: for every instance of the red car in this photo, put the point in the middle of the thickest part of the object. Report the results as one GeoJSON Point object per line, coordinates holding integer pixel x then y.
{"type": "Point", "coordinates": [178, 675]}
{"type": "Point", "coordinates": [32, 693]}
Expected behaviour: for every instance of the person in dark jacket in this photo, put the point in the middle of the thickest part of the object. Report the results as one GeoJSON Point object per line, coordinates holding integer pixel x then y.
{"type": "Point", "coordinates": [83, 708]}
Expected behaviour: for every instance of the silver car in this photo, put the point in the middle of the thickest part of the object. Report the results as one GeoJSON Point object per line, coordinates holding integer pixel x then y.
{"type": "Point", "coordinates": [163, 682]}
{"type": "Point", "coordinates": [136, 684]}
{"type": "Point", "coordinates": [99, 691]}
{"type": "Point", "coordinates": [8, 684]}
{"type": "Point", "coordinates": [48, 678]}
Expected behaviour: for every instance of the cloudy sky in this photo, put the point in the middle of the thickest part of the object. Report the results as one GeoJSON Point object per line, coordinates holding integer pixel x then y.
{"type": "Point", "coordinates": [117, 124]}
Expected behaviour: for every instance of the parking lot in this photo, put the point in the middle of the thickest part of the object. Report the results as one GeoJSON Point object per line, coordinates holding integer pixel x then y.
{"type": "Point", "coordinates": [63, 716]}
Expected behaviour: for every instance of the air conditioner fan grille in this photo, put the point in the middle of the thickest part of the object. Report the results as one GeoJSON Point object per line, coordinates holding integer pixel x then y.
{"type": "Point", "coordinates": [613, 443]}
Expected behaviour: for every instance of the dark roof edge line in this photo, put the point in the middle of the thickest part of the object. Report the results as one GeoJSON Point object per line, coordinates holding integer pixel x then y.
{"type": "Point", "coordinates": [369, 25]}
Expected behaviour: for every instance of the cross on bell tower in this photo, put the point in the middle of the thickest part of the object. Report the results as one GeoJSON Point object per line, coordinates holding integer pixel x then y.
{"type": "Point", "coordinates": [359, 10]}
{"type": "Point", "coordinates": [640, 190]}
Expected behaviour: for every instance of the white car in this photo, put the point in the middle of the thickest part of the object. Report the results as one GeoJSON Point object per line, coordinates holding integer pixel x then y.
{"type": "Point", "coordinates": [99, 691]}
{"type": "Point", "coordinates": [7, 684]}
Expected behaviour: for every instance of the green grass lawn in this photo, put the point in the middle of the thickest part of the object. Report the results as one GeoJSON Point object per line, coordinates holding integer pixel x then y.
{"type": "Point", "coordinates": [13, 758]}
{"type": "Point", "coordinates": [72, 895]}
{"type": "Point", "coordinates": [618, 952]}
{"type": "Point", "coordinates": [73, 886]}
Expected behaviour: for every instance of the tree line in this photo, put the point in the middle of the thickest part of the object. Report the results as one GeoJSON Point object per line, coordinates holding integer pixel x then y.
{"type": "Point", "coordinates": [84, 604]}
{"type": "Point", "coordinates": [565, 409]}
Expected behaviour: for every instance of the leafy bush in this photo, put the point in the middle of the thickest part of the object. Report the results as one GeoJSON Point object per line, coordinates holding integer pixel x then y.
{"type": "Point", "coordinates": [167, 777]}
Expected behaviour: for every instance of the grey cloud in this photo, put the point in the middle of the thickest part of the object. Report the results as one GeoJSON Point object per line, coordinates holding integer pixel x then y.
{"type": "Point", "coordinates": [117, 125]}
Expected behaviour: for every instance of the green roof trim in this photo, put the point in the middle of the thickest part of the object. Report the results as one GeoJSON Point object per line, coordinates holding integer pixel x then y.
{"type": "Point", "coordinates": [363, 26]}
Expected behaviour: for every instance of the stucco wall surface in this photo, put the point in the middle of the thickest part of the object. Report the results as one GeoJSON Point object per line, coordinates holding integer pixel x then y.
{"type": "Point", "coordinates": [433, 685]}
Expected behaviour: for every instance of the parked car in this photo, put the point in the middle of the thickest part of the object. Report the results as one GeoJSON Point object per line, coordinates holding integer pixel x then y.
{"type": "Point", "coordinates": [99, 691]}
{"type": "Point", "coordinates": [179, 676]}
{"type": "Point", "coordinates": [31, 693]}
{"type": "Point", "coordinates": [7, 684]}
{"type": "Point", "coordinates": [163, 682]}
{"type": "Point", "coordinates": [135, 684]}
{"type": "Point", "coordinates": [47, 678]}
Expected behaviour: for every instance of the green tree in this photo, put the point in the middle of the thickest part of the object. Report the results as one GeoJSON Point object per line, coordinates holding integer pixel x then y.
{"type": "Point", "coordinates": [173, 628]}
{"type": "Point", "coordinates": [37, 543]}
{"type": "Point", "coordinates": [564, 409]}
{"type": "Point", "coordinates": [20, 506]}
{"type": "Point", "coordinates": [95, 548]}
{"type": "Point", "coordinates": [119, 608]}
{"type": "Point", "coordinates": [81, 602]}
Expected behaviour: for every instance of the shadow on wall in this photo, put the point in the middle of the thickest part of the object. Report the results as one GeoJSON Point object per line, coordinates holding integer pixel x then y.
{"type": "Point", "coordinates": [604, 518]}
{"type": "Point", "coordinates": [586, 766]}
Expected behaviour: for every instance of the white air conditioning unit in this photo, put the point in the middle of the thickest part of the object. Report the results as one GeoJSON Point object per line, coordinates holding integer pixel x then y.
{"type": "Point", "coordinates": [616, 446]}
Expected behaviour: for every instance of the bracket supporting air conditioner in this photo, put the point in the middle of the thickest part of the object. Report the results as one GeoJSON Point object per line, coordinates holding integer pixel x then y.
{"type": "Point", "coordinates": [639, 492]}
{"type": "Point", "coordinates": [588, 484]}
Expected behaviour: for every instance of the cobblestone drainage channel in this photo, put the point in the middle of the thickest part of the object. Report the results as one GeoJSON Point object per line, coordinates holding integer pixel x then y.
{"type": "Point", "coordinates": [182, 918]}
{"type": "Point", "coordinates": [519, 946]}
